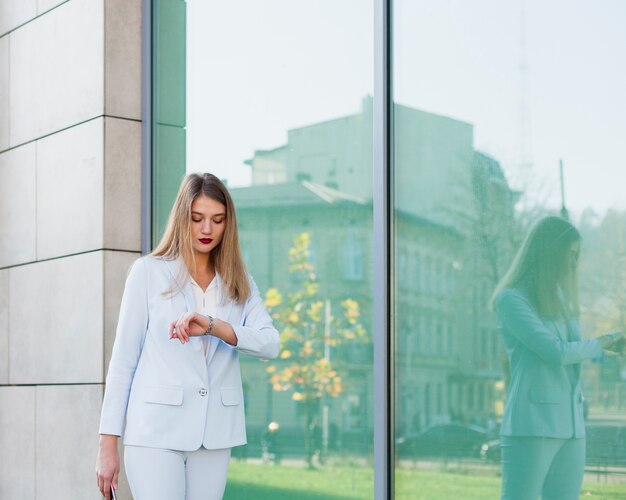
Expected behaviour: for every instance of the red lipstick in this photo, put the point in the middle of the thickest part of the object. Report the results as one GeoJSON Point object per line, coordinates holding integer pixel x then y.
{"type": "Point", "coordinates": [205, 241]}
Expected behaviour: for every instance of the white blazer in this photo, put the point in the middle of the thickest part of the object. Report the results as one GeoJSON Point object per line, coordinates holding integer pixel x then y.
{"type": "Point", "coordinates": [164, 394]}
{"type": "Point", "coordinates": [544, 396]}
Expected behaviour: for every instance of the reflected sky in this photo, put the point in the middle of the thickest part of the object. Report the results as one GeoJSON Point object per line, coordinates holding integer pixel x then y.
{"type": "Point", "coordinates": [256, 70]}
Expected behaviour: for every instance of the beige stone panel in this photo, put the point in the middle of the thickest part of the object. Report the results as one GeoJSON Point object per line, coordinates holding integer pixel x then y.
{"type": "Point", "coordinates": [116, 267]}
{"type": "Point", "coordinates": [46, 5]}
{"type": "Point", "coordinates": [55, 321]}
{"type": "Point", "coordinates": [69, 190]}
{"type": "Point", "coordinates": [4, 92]}
{"type": "Point", "coordinates": [67, 441]}
{"type": "Point", "coordinates": [14, 13]}
{"type": "Point", "coordinates": [18, 205]}
{"type": "Point", "coordinates": [4, 327]}
{"type": "Point", "coordinates": [123, 58]}
{"type": "Point", "coordinates": [56, 71]}
{"type": "Point", "coordinates": [17, 442]}
{"type": "Point", "coordinates": [122, 184]}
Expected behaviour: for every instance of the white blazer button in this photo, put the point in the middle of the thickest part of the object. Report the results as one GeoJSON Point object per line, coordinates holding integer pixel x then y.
{"type": "Point", "coordinates": [203, 392]}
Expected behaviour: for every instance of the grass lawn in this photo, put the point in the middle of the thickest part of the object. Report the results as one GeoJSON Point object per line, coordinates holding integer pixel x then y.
{"type": "Point", "coordinates": [265, 482]}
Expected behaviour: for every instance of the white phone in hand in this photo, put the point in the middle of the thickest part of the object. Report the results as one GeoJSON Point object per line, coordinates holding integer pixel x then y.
{"type": "Point", "coordinates": [113, 495]}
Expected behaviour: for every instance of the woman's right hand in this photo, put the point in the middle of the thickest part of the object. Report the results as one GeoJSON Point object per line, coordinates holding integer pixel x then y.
{"type": "Point", "coordinates": [189, 324]}
{"type": "Point", "coordinates": [107, 464]}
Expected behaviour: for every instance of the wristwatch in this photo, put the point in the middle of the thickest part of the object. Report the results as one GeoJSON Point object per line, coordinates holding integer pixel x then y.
{"type": "Point", "coordinates": [211, 323]}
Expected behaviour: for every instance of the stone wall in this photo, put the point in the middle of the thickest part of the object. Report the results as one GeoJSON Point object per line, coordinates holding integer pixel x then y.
{"type": "Point", "coordinates": [70, 176]}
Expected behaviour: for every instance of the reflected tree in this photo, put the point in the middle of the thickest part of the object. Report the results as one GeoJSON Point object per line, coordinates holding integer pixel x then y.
{"type": "Point", "coordinates": [603, 298]}
{"type": "Point", "coordinates": [308, 331]}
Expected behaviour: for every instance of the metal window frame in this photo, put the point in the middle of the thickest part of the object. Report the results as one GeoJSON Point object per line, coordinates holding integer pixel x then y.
{"type": "Point", "coordinates": [146, 127]}
{"type": "Point", "coordinates": [383, 254]}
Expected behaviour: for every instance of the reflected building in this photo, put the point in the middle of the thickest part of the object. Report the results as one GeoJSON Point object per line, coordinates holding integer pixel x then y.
{"type": "Point", "coordinates": [270, 216]}
{"type": "Point", "coordinates": [454, 236]}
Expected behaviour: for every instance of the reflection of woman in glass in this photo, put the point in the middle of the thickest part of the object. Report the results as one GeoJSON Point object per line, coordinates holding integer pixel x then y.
{"type": "Point", "coordinates": [543, 429]}
{"type": "Point", "coordinates": [174, 386]}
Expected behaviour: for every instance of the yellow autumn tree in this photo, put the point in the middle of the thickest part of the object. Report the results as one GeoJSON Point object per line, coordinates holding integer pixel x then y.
{"type": "Point", "coordinates": [308, 332]}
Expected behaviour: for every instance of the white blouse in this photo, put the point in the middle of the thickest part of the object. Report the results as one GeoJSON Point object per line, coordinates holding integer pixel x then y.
{"type": "Point", "coordinates": [206, 303]}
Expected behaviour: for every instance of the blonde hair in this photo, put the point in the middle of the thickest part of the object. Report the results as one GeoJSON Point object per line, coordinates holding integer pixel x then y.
{"type": "Point", "coordinates": [177, 239]}
{"type": "Point", "coordinates": [540, 269]}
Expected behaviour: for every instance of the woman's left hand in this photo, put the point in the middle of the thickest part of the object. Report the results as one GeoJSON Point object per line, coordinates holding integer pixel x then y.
{"type": "Point", "coordinates": [614, 342]}
{"type": "Point", "coordinates": [189, 324]}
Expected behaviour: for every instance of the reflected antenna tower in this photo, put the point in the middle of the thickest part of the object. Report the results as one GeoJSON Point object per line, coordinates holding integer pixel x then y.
{"type": "Point", "coordinates": [526, 155]}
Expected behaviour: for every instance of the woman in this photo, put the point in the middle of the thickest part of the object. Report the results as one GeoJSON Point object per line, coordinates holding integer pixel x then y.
{"type": "Point", "coordinates": [174, 385]}
{"type": "Point", "coordinates": [543, 431]}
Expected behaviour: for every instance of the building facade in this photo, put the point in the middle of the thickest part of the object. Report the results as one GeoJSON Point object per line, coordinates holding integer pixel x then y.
{"type": "Point", "coordinates": [93, 130]}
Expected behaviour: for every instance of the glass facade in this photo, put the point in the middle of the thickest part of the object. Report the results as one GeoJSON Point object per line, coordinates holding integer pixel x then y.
{"type": "Point", "coordinates": [284, 117]}
{"type": "Point", "coordinates": [489, 105]}
{"type": "Point", "coordinates": [500, 115]}
{"type": "Point", "coordinates": [168, 113]}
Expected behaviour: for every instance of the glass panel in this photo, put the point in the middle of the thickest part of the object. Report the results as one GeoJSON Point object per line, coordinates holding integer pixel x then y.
{"type": "Point", "coordinates": [279, 106]}
{"type": "Point", "coordinates": [168, 108]}
{"type": "Point", "coordinates": [493, 99]}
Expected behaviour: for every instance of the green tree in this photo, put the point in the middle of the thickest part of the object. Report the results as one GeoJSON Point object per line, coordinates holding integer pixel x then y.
{"type": "Point", "coordinates": [308, 331]}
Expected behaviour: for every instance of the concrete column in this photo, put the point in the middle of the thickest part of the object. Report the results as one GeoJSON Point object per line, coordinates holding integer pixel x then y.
{"type": "Point", "coordinates": [70, 177]}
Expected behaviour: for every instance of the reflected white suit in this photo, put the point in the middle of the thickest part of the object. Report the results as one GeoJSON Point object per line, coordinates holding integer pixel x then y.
{"type": "Point", "coordinates": [543, 428]}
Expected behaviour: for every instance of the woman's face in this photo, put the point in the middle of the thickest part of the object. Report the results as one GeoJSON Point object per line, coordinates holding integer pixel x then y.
{"type": "Point", "coordinates": [208, 222]}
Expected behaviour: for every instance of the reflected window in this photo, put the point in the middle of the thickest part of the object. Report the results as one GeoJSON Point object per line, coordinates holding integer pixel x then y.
{"type": "Point", "coordinates": [352, 258]}
{"type": "Point", "coordinates": [416, 273]}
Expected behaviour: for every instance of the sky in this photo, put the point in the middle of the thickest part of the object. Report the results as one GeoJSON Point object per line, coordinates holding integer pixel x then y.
{"type": "Point", "coordinates": [258, 69]}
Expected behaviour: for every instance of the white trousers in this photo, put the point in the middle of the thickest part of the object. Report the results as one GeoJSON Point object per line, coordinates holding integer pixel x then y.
{"type": "Point", "coordinates": [158, 474]}
{"type": "Point", "coordinates": [538, 466]}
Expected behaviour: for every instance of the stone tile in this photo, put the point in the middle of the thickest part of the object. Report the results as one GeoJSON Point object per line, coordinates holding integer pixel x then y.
{"type": "Point", "coordinates": [4, 92]}
{"type": "Point", "coordinates": [116, 267]}
{"type": "Point", "coordinates": [66, 440]}
{"type": "Point", "coordinates": [123, 58]}
{"type": "Point", "coordinates": [17, 446]}
{"type": "Point", "coordinates": [18, 205]}
{"type": "Point", "coordinates": [46, 5]}
{"type": "Point", "coordinates": [14, 13]}
{"type": "Point", "coordinates": [56, 71]}
{"type": "Point", "coordinates": [69, 190]}
{"type": "Point", "coordinates": [62, 342]}
{"type": "Point", "coordinates": [122, 184]}
{"type": "Point", "coordinates": [4, 327]}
